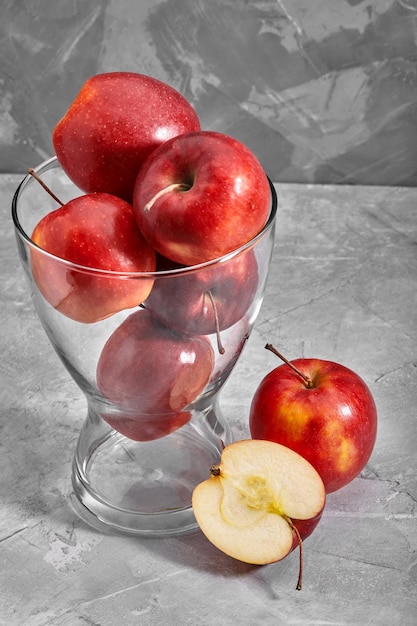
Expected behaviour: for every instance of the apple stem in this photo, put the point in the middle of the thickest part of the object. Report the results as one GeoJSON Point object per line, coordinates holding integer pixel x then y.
{"type": "Point", "coordinates": [300, 545]}
{"type": "Point", "coordinates": [217, 325]}
{"type": "Point", "coordinates": [308, 382]}
{"type": "Point", "coordinates": [32, 172]}
{"type": "Point", "coordinates": [162, 192]}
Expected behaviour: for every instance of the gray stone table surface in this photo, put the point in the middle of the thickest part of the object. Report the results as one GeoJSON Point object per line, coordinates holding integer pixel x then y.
{"type": "Point", "coordinates": [343, 287]}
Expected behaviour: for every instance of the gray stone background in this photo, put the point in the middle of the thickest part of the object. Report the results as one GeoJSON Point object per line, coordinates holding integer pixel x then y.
{"type": "Point", "coordinates": [323, 91]}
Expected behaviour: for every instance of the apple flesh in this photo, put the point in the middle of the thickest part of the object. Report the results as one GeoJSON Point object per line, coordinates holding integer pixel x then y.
{"type": "Point", "coordinates": [96, 231]}
{"type": "Point", "coordinates": [209, 300]}
{"type": "Point", "coordinates": [151, 374]}
{"type": "Point", "coordinates": [200, 196]}
{"type": "Point", "coordinates": [332, 421]}
{"type": "Point", "coordinates": [260, 502]}
{"type": "Point", "coordinates": [116, 120]}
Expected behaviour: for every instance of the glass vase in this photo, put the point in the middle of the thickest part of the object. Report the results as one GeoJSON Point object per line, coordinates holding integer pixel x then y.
{"type": "Point", "coordinates": [151, 374]}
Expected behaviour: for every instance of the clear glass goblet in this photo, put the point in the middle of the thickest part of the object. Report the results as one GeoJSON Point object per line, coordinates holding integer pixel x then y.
{"type": "Point", "coordinates": [151, 374]}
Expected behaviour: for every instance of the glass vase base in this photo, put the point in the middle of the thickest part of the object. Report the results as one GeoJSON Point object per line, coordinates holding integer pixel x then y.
{"type": "Point", "coordinates": [144, 488]}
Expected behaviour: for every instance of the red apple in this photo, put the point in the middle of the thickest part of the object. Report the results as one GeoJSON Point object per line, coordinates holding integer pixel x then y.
{"type": "Point", "coordinates": [200, 196]}
{"type": "Point", "coordinates": [116, 120]}
{"type": "Point", "coordinates": [327, 415]}
{"type": "Point", "coordinates": [151, 375]}
{"type": "Point", "coordinates": [208, 300]}
{"type": "Point", "coordinates": [260, 502]}
{"type": "Point", "coordinates": [96, 231]}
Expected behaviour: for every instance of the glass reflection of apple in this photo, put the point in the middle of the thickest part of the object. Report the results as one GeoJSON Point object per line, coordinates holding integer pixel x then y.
{"type": "Point", "coordinates": [150, 372]}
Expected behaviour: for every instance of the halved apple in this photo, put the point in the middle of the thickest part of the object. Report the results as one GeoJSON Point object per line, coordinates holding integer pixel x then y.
{"type": "Point", "coordinates": [260, 502]}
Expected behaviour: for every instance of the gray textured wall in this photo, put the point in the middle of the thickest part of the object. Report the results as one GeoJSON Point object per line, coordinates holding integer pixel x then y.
{"type": "Point", "coordinates": [320, 90]}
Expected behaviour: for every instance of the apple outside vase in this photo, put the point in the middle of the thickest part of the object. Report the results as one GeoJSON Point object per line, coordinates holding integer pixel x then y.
{"type": "Point", "coordinates": [147, 440]}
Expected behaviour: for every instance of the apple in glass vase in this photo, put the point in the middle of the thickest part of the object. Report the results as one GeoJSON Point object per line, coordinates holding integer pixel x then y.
{"type": "Point", "coordinates": [116, 120]}
{"type": "Point", "coordinates": [322, 410]}
{"type": "Point", "coordinates": [201, 196]}
{"type": "Point", "coordinates": [207, 301]}
{"type": "Point", "coordinates": [151, 374]}
{"type": "Point", "coordinates": [86, 245]}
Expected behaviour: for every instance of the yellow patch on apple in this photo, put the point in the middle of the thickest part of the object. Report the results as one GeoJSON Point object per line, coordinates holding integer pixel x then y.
{"type": "Point", "coordinates": [347, 455]}
{"type": "Point", "coordinates": [295, 419]}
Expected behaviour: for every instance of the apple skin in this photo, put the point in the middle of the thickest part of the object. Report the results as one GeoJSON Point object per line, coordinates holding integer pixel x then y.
{"type": "Point", "coordinates": [221, 197]}
{"type": "Point", "coordinates": [141, 428]}
{"type": "Point", "coordinates": [116, 120]}
{"type": "Point", "coordinates": [333, 425]}
{"type": "Point", "coordinates": [151, 375]}
{"type": "Point", "coordinates": [184, 303]}
{"type": "Point", "coordinates": [305, 527]}
{"type": "Point", "coordinates": [95, 231]}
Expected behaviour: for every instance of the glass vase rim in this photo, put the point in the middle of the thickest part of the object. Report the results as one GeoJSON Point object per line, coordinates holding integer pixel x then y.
{"type": "Point", "coordinates": [53, 161]}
